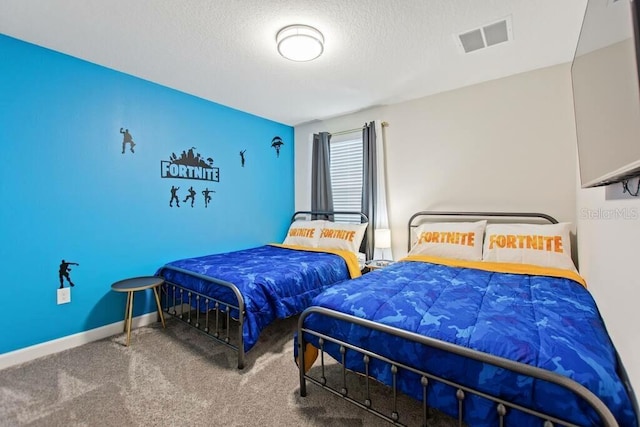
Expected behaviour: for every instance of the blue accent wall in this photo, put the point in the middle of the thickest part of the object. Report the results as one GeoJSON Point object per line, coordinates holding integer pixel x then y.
{"type": "Point", "coordinates": [68, 192]}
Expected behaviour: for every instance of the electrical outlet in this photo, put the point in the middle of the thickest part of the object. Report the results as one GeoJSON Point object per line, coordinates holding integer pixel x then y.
{"type": "Point", "coordinates": [64, 295]}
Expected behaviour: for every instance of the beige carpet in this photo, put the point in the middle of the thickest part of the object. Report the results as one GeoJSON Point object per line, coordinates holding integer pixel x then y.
{"type": "Point", "coordinates": [177, 377]}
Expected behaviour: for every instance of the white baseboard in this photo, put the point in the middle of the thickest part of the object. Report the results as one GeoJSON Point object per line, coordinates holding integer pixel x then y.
{"type": "Point", "coordinates": [54, 346]}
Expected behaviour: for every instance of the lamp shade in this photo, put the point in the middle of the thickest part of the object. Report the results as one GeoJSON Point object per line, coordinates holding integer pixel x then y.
{"type": "Point", "coordinates": [382, 238]}
{"type": "Point", "coordinates": [300, 43]}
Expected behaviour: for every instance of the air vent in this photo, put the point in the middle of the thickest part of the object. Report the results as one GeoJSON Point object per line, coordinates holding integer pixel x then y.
{"type": "Point", "coordinates": [483, 37]}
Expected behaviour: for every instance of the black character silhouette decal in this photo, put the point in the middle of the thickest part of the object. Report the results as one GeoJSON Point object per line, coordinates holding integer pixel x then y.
{"type": "Point", "coordinates": [63, 272]}
{"type": "Point", "coordinates": [174, 196]}
{"type": "Point", "coordinates": [192, 196]}
{"type": "Point", "coordinates": [127, 139]}
{"type": "Point", "coordinates": [207, 196]}
{"type": "Point", "coordinates": [242, 157]}
{"type": "Point", "coordinates": [276, 143]}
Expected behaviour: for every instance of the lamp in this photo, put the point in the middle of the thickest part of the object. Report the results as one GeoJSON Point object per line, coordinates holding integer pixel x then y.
{"type": "Point", "coordinates": [382, 238]}
{"type": "Point", "coordinates": [300, 43]}
{"type": "Point", "coordinates": [382, 242]}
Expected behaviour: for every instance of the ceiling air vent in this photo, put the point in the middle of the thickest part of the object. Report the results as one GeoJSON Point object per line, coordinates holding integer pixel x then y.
{"type": "Point", "coordinates": [488, 35]}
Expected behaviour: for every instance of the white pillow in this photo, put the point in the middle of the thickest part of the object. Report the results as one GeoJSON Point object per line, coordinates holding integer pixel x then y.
{"type": "Point", "coordinates": [304, 233]}
{"type": "Point", "coordinates": [346, 236]}
{"type": "Point", "coordinates": [546, 245]}
{"type": "Point", "coordinates": [457, 240]}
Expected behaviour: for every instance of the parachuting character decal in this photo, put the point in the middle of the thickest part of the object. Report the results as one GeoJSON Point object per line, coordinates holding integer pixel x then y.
{"type": "Point", "coordinates": [276, 143]}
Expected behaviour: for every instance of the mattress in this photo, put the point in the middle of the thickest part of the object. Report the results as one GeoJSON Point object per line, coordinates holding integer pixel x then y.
{"type": "Point", "coordinates": [275, 282]}
{"type": "Point", "coordinates": [548, 322]}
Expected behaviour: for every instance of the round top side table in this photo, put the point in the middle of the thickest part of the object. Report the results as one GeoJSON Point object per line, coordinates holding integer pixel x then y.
{"type": "Point", "coordinates": [132, 285]}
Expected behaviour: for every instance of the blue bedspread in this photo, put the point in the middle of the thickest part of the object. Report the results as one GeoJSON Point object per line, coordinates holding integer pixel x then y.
{"type": "Point", "coordinates": [548, 322]}
{"type": "Point", "coordinates": [275, 282]}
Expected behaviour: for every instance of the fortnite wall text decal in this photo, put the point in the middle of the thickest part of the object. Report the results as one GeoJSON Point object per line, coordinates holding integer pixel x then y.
{"type": "Point", "coordinates": [189, 165]}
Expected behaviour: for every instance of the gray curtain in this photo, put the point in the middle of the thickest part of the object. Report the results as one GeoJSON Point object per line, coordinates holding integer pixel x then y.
{"type": "Point", "coordinates": [369, 183]}
{"type": "Point", "coordinates": [321, 195]}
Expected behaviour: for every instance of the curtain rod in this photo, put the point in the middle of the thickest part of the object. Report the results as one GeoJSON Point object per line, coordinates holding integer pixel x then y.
{"type": "Point", "coordinates": [344, 132]}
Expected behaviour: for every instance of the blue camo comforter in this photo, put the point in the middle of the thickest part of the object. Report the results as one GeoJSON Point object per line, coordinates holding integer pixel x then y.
{"type": "Point", "coordinates": [275, 282]}
{"type": "Point", "coordinates": [548, 322]}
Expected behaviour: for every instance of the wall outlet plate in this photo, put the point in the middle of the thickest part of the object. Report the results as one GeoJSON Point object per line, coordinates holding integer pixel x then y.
{"type": "Point", "coordinates": [64, 295]}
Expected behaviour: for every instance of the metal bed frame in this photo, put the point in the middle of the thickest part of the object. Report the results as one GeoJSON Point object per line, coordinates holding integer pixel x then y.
{"type": "Point", "coordinates": [502, 406]}
{"type": "Point", "coordinates": [193, 308]}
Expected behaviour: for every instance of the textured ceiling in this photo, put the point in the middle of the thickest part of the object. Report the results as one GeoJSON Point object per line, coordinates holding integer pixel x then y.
{"type": "Point", "coordinates": [376, 51]}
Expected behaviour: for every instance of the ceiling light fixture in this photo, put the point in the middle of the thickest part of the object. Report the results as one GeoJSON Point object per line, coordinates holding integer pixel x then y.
{"type": "Point", "coordinates": [300, 43]}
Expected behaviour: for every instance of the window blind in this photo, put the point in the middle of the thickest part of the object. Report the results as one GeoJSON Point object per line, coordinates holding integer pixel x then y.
{"type": "Point", "coordinates": [346, 178]}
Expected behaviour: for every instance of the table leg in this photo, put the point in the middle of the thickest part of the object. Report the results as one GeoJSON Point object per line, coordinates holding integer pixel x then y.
{"type": "Point", "coordinates": [126, 312]}
{"type": "Point", "coordinates": [155, 292]}
{"type": "Point", "coordinates": [129, 320]}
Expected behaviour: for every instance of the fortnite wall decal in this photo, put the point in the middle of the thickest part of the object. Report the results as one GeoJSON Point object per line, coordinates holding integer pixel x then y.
{"type": "Point", "coordinates": [189, 165]}
{"type": "Point", "coordinates": [242, 157]}
{"type": "Point", "coordinates": [174, 196]}
{"type": "Point", "coordinates": [127, 139]}
{"type": "Point", "coordinates": [276, 143]}
{"type": "Point", "coordinates": [207, 197]}
{"type": "Point", "coordinates": [63, 272]}
{"type": "Point", "coordinates": [192, 196]}
{"type": "Point", "coordinates": [206, 193]}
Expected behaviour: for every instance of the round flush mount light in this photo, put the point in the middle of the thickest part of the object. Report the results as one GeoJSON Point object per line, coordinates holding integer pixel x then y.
{"type": "Point", "coordinates": [300, 43]}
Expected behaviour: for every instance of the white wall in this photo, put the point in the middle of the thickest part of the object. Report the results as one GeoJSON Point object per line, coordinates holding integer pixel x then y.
{"type": "Point", "coordinates": [508, 144]}
{"type": "Point", "coordinates": [609, 231]}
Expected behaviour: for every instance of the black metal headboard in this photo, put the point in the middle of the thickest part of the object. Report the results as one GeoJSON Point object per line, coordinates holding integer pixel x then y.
{"type": "Point", "coordinates": [329, 214]}
{"type": "Point", "coordinates": [413, 223]}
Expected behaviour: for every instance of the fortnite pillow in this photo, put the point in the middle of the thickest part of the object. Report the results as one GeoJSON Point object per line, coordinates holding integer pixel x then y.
{"type": "Point", "coordinates": [456, 240]}
{"type": "Point", "coordinates": [545, 245]}
{"type": "Point", "coordinates": [304, 233]}
{"type": "Point", "coordinates": [344, 236]}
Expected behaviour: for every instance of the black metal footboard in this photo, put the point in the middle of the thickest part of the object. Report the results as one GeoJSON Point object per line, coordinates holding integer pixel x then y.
{"type": "Point", "coordinates": [502, 406]}
{"type": "Point", "coordinates": [214, 322]}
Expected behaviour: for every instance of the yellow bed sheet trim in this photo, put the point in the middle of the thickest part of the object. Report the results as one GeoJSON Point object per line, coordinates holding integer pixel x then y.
{"type": "Point", "coordinates": [349, 257]}
{"type": "Point", "coordinates": [501, 267]}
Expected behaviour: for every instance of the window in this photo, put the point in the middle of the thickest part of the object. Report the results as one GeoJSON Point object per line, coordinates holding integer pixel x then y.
{"type": "Point", "coordinates": [346, 178]}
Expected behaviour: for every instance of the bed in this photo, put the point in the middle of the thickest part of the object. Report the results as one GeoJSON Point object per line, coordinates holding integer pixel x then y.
{"type": "Point", "coordinates": [488, 342]}
{"type": "Point", "coordinates": [231, 297]}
